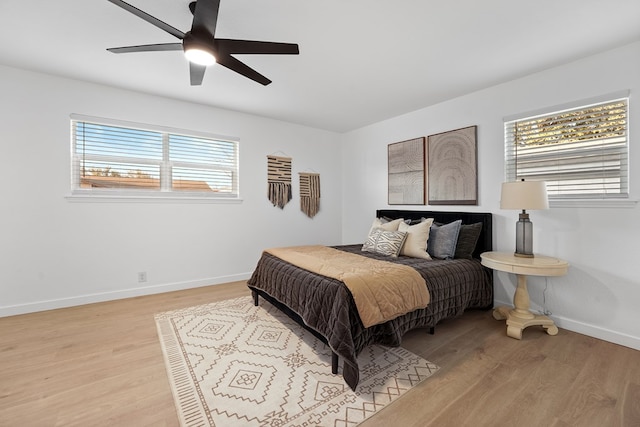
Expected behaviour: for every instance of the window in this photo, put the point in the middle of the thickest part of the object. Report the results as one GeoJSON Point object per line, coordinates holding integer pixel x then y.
{"type": "Point", "coordinates": [124, 159]}
{"type": "Point", "coordinates": [581, 153]}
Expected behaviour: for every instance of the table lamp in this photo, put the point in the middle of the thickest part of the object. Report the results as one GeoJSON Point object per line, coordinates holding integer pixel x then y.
{"type": "Point", "coordinates": [524, 195]}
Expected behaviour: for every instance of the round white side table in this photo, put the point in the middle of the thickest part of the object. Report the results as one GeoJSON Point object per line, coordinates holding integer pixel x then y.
{"type": "Point", "coordinates": [521, 317]}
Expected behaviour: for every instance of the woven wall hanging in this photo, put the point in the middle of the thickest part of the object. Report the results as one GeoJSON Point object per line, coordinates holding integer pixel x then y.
{"type": "Point", "coordinates": [279, 180]}
{"type": "Point", "coordinates": [309, 193]}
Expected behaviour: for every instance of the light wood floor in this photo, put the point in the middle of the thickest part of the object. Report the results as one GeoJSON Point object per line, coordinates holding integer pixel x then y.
{"type": "Point", "coordinates": [101, 365]}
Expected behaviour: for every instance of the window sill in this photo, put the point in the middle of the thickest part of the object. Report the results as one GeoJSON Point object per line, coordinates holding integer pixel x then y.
{"type": "Point", "coordinates": [149, 198]}
{"type": "Point", "coordinates": [593, 203]}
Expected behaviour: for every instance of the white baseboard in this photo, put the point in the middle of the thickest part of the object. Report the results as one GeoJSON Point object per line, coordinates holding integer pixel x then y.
{"type": "Point", "coordinates": [33, 307]}
{"type": "Point", "coordinates": [590, 330]}
{"type": "Point", "coordinates": [597, 332]}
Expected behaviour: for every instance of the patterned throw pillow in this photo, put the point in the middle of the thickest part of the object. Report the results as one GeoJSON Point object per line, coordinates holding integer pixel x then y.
{"type": "Point", "coordinates": [443, 240]}
{"type": "Point", "coordinates": [384, 242]}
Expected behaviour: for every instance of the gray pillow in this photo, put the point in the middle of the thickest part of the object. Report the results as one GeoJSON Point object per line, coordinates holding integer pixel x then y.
{"type": "Point", "coordinates": [443, 240]}
{"type": "Point", "coordinates": [467, 240]}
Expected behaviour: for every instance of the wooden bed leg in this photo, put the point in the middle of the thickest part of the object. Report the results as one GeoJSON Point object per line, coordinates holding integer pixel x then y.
{"type": "Point", "coordinates": [334, 363]}
{"type": "Point", "coordinates": [255, 297]}
{"type": "Point", "coordinates": [432, 330]}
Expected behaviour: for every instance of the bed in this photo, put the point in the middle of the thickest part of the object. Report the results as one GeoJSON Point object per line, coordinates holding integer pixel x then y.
{"type": "Point", "coordinates": [326, 307]}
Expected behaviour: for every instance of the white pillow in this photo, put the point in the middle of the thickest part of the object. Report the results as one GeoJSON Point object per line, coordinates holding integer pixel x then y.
{"type": "Point", "coordinates": [417, 239]}
{"type": "Point", "coordinates": [387, 226]}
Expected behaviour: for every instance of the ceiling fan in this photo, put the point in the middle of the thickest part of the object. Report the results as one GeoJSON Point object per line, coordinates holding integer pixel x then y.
{"type": "Point", "coordinates": [200, 45]}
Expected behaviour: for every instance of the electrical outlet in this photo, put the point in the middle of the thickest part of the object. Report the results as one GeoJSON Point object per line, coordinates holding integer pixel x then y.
{"type": "Point", "coordinates": [142, 276]}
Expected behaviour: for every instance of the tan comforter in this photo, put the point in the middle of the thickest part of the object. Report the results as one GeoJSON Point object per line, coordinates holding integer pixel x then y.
{"type": "Point", "coordinates": [381, 290]}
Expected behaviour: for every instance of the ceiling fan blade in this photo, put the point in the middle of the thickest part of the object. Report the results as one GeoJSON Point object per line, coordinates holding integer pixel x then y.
{"type": "Point", "coordinates": [147, 48]}
{"type": "Point", "coordinates": [196, 73]}
{"type": "Point", "coordinates": [229, 46]}
{"type": "Point", "coordinates": [205, 16]}
{"type": "Point", "coordinates": [150, 19]}
{"type": "Point", "coordinates": [241, 68]}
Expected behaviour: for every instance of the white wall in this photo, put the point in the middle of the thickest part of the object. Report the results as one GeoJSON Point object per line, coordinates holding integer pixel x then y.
{"type": "Point", "coordinates": [55, 252]}
{"type": "Point", "coordinates": [600, 294]}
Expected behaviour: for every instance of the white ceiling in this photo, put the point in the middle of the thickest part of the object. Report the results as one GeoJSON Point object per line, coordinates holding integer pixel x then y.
{"type": "Point", "coordinates": [360, 62]}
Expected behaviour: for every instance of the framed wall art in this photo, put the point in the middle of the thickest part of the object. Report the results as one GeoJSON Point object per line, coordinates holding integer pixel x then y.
{"type": "Point", "coordinates": [406, 173]}
{"type": "Point", "coordinates": [453, 167]}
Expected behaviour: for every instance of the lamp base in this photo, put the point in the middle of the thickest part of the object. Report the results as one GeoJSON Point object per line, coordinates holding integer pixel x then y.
{"type": "Point", "coordinates": [524, 236]}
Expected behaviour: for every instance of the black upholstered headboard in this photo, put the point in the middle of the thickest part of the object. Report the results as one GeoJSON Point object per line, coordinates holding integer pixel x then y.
{"type": "Point", "coordinates": [485, 241]}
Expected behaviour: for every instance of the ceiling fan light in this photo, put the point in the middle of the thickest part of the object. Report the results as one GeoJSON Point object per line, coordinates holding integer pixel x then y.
{"type": "Point", "coordinates": [199, 56]}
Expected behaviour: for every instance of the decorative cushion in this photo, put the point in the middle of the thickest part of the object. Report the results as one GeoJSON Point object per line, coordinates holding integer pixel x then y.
{"type": "Point", "coordinates": [417, 239]}
{"type": "Point", "coordinates": [386, 219]}
{"type": "Point", "coordinates": [384, 242]}
{"type": "Point", "coordinates": [443, 240]}
{"type": "Point", "coordinates": [467, 240]}
{"type": "Point", "coordinates": [385, 224]}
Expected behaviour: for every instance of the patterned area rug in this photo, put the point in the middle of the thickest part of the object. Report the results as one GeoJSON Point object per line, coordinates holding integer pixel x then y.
{"type": "Point", "coordinates": [233, 364]}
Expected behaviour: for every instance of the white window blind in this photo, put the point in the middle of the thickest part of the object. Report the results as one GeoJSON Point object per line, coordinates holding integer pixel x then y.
{"type": "Point", "coordinates": [581, 153]}
{"type": "Point", "coordinates": [110, 158]}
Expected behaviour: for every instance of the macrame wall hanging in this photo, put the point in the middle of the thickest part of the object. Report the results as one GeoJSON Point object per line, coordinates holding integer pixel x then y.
{"type": "Point", "coordinates": [279, 180]}
{"type": "Point", "coordinates": [309, 193]}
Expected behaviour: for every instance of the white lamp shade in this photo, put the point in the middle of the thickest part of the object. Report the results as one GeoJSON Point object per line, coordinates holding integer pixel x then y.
{"type": "Point", "coordinates": [524, 195]}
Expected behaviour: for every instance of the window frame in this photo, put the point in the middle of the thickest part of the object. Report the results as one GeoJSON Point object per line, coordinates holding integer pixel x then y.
{"type": "Point", "coordinates": [164, 193]}
{"type": "Point", "coordinates": [618, 200]}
